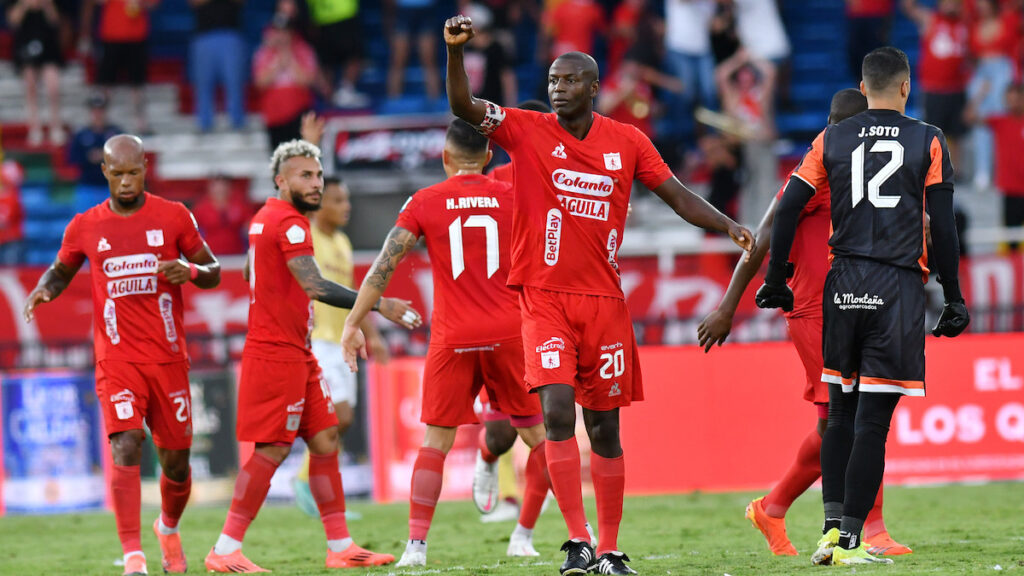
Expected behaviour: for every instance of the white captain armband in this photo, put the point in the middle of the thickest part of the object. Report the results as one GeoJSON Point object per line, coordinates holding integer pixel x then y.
{"type": "Point", "coordinates": [493, 118]}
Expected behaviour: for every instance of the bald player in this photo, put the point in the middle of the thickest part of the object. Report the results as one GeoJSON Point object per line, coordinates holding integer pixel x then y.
{"type": "Point", "coordinates": [142, 249]}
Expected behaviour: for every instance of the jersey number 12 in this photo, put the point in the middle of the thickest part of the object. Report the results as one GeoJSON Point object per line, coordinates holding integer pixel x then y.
{"type": "Point", "coordinates": [875, 183]}
{"type": "Point", "coordinates": [490, 226]}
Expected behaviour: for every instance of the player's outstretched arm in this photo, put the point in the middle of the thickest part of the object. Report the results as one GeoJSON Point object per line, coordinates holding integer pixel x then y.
{"type": "Point", "coordinates": [398, 243]}
{"type": "Point", "coordinates": [699, 212]}
{"type": "Point", "coordinates": [458, 31]}
{"type": "Point", "coordinates": [774, 293]}
{"type": "Point", "coordinates": [717, 325]}
{"type": "Point", "coordinates": [201, 268]}
{"type": "Point", "coordinates": [51, 284]}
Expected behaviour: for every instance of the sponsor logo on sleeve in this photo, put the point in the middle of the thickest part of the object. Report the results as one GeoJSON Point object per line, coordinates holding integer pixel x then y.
{"type": "Point", "coordinates": [612, 161]}
{"type": "Point", "coordinates": [295, 234]}
{"type": "Point", "coordinates": [256, 228]}
{"type": "Point", "coordinates": [155, 237]}
{"type": "Point", "coordinates": [552, 237]}
{"type": "Point", "coordinates": [583, 182]}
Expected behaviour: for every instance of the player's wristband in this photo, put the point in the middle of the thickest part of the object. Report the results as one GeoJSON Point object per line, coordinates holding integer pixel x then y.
{"type": "Point", "coordinates": [778, 273]}
{"type": "Point", "coordinates": [193, 271]}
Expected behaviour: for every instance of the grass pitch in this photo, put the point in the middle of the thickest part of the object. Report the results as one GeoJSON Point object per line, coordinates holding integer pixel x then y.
{"type": "Point", "coordinates": [952, 529]}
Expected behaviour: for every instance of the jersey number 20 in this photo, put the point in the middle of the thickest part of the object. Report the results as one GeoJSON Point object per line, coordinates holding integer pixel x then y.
{"type": "Point", "coordinates": [490, 226]}
{"type": "Point", "coordinates": [875, 183]}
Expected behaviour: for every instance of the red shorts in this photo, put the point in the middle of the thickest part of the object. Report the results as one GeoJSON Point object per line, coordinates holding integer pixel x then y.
{"type": "Point", "coordinates": [453, 377]}
{"type": "Point", "coordinates": [278, 401]}
{"type": "Point", "coordinates": [806, 335]}
{"type": "Point", "coordinates": [489, 412]}
{"type": "Point", "coordinates": [584, 341]}
{"type": "Point", "coordinates": [157, 393]}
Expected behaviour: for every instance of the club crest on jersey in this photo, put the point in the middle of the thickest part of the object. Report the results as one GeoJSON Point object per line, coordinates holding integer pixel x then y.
{"type": "Point", "coordinates": [155, 237]}
{"type": "Point", "coordinates": [102, 245]}
{"type": "Point", "coordinates": [612, 161]}
{"type": "Point", "coordinates": [559, 151]}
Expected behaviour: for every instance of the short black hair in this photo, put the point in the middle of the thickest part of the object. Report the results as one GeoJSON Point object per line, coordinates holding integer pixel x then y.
{"type": "Point", "coordinates": [332, 180]}
{"type": "Point", "coordinates": [534, 105]}
{"type": "Point", "coordinates": [883, 67]}
{"type": "Point", "coordinates": [466, 138]}
{"type": "Point", "coordinates": [586, 62]}
{"type": "Point", "coordinates": [845, 103]}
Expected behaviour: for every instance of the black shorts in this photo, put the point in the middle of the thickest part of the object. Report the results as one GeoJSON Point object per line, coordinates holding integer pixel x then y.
{"type": "Point", "coordinates": [339, 43]}
{"type": "Point", "coordinates": [122, 60]}
{"type": "Point", "coordinates": [37, 52]}
{"type": "Point", "coordinates": [946, 110]}
{"type": "Point", "coordinates": [874, 330]}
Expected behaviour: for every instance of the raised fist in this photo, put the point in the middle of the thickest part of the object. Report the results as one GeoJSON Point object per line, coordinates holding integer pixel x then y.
{"type": "Point", "coordinates": [458, 30]}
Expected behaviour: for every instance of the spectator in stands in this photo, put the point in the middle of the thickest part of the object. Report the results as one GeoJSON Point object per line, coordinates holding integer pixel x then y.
{"type": "Point", "coordinates": [627, 95]}
{"type": "Point", "coordinates": [762, 34]}
{"type": "Point", "coordinates": [488, 64]}
{"type": "Point", "coordinates": [994, 37]}
{"type": "Point", "coordinates": [624, 31]}
{"type": "Point", "coordinates": [285, 71]}
{"type": "Point", "coordinates": [1008, 130]}
{"type": "Point", "coordinates": [11, 214]}
{"type": "Point", "coordinates": [217, 55]}
{"type": "Point", "coordinates": [123, 32]}
{"type": "Point", "coordinates": [867, 27]}
{"type": "Point", "coordinates": [746, 84]}
{"type": "Point", "coordinates": [339, 46]}
{"type": "Point", "coordinates": [414, 19]}
{"type": "Point", "coordinates": [572, 26]}
{"type": "Point", "coordinates": [688, 44]}
{"type": "Point", "coordinates": [222, 216]}
{"type": "Point", "coordinates": [86, 149]}
{"type": "Point", "coordinates": [37, 57]}
{"type": "Point", "coordinates": [722, 153]}
{"type": "Point", "coordinates": [942, 67]}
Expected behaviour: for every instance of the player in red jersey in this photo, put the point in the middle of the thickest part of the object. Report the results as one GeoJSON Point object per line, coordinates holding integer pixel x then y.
{"type": "Point", "coordinates": [281, 393]}
{"type": "Point", "coordinates": [574, 170]}
{"type": "Point", "coordinates": [142, 248]}
{"type": "Point", "coordinates": [498, 436]}
{"type": "Point", "coordinates": [810, 265]}
{"type": "Point", "coordinates": [475, 338]}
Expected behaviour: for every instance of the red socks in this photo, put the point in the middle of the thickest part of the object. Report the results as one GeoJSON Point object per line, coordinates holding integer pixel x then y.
{"type": "Point", "coordinates": [325, 484]}
{"type": "Point", "coordinates": [537, 484]}
{"type": "Point", "coordinates": [564, 469]}
{"type": "Point", "coordinates": [173, 498]}
{"type": "Point", "coordinates": [251, 489]}
{"type": "Point", "coordinates": [484, 452]}
{"type": "Point", "coordinates": [427, 474]}
{"type": "Point", "coordinates": [875, 524]}
{"type": "Point", "coordinates": [804, 471]}
{"type": "Point", "coordinates": [126, 494]}
{"type": "Point", "coordinates": [609, 475]}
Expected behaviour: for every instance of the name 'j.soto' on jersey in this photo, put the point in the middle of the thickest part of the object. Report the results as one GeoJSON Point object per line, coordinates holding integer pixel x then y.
{"type": "Point", "coordinates": [879, 164]}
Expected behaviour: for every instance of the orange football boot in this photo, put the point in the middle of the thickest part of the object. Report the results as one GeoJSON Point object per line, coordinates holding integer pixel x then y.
{"type": "Point", "coordinates": [882, 544]}
{"type": "Point", "coordinates": [234, 562]}
{"type": "Point", "coordinates": [774, 529]}
{"type": "Point", "coordinates": [355, 556]}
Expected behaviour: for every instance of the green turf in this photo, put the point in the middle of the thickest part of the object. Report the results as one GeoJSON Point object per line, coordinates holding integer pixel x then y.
{"type": "Point", "coordinates": [953, 530]}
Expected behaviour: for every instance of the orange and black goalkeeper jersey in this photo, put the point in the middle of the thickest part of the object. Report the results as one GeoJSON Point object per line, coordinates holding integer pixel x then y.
{"type": "Point", "coordinates": [880, 166]}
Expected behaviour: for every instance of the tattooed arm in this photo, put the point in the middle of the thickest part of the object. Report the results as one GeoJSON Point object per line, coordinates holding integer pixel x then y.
{"type": "Point", "coordinates": [51, 284]}
{"type": "Point", "coordinates": [307, 273]}
{"type": "Point", "coordinates": [396, 246]}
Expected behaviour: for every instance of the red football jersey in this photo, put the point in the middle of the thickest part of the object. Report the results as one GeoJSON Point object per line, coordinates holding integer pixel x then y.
{"type": "Point", "coordinates": [137, 312]}
{"type": "Point", "coordinates": [504, 173]}
{"type": "Point", "coordinates": [280, 312]}
{"type": "Point", "coordinates": [809, 254]}
{"type": "Point", "coordinates": [467, 223]}
{"type": "Point", "coordinates": [571, 197]}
